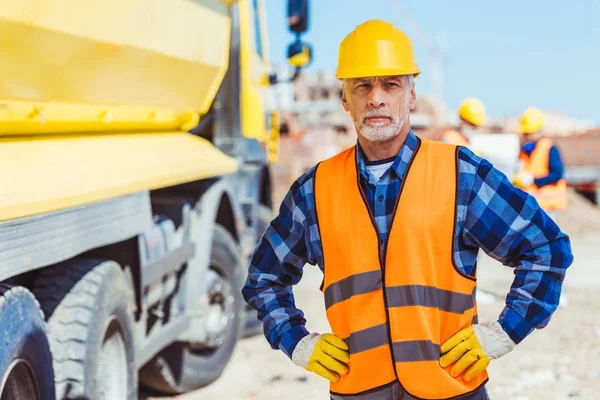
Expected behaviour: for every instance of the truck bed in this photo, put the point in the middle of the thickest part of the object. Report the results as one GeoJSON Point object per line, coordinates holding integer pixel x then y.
{"type": "Point", "coordinates": [98, 63]}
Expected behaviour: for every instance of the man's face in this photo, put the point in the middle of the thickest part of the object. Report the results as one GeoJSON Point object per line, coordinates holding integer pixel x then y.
{"type": "Point", "coordinates": [379, 106]}
{"type": "Point", "coordinates": [529, 137]}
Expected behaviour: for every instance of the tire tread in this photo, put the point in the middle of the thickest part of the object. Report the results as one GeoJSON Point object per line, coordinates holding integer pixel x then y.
{"type": "Point", "coordinates": [67, 293]}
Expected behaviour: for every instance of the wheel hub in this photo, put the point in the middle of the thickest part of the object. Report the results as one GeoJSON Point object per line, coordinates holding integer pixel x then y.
{"type": "Point", "coordinates": [219, 312]}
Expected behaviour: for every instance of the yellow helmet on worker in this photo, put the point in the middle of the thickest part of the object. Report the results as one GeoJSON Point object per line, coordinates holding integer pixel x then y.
{"type": "Point", "coordinates": [532, 121]}
{"type": "Point", "coordinates": [376, 48]}
{"type": "Point", "coordinates": [472, 111]}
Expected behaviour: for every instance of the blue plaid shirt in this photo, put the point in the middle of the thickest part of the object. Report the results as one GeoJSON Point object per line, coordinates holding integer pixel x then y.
{"type": "Point", "coordinates": [492, 214]}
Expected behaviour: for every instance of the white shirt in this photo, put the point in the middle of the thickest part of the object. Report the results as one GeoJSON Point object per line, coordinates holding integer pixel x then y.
{"type": "Point", "coordinates": [378, 170]}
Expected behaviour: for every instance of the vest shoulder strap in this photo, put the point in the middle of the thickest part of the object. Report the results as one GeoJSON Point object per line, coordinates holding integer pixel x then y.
{"type": "Point", "coordinates": [545, 144]}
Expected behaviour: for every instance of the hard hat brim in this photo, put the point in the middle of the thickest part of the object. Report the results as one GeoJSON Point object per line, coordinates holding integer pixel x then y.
{"type": "Point", "coordinates": [370, 71]}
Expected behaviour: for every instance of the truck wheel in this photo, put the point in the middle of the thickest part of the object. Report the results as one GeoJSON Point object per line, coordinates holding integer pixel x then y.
{"type": "Point", "coordinates": [25, 357]}
{"type": "Point", "coordinates": [183, 367]}
{"type": "Point", "coordinates": [252, 325]}
{"type": "Point", "coordinates": [89, 306]}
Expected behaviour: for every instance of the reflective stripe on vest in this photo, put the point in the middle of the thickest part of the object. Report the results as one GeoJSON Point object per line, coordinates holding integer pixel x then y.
{"type": "Point", "coordinates": [395, 309]}
{"type": "Point", "coordinates": [550, 197]}
{"type": "Point", "coordinates": [454, 137]}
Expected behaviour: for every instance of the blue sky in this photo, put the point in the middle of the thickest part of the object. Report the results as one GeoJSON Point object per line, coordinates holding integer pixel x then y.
{"type": "Point", "coordinates": [511, 54]}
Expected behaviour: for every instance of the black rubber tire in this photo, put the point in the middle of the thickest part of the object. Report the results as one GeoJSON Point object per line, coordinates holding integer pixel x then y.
{"type": "Point", "coordinates": [177, 369]}
{"type": "Point", "coordinates": [79, 298]}
{"type": "Point", "coordinates": [252, 325]}
{"type": "Point", "coordinates": [23, 332]}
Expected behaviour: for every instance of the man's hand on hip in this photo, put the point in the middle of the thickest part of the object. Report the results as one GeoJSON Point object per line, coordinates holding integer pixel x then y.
{"type": "Point", "coordinates": [475, 347]}
{"type": "Point", "coordinates": [326, 355]}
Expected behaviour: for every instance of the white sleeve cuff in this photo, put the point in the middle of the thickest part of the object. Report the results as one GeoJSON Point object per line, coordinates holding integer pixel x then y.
{"type": "Point", "coordinates": [493, 339]}
{"type": "Point", "coordinates": [304, 349]}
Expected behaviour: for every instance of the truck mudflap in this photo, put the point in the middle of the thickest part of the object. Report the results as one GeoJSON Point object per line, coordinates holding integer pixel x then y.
{"type": "Point", "coordinates": [56, 173]}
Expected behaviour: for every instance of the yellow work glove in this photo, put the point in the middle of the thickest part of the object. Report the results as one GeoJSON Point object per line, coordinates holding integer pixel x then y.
{"type": "Point", "coordinates": [325, 355]}
{"type": "Point", "coordinates": [473, 348]}
{"type": "Point", "coordinates": [523, 179]}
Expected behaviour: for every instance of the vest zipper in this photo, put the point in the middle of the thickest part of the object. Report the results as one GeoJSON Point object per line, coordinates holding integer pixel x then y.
{"type": "Point", "coordinates": [382, 257]}
{"type": "Point", "coordinates": [382, 267]}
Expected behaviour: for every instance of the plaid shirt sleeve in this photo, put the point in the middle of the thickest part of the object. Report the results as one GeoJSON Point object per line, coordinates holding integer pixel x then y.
{"type": "Point", "coordinates": [509, 225]}
{"type": "Point", "coordinates": [276, 266]}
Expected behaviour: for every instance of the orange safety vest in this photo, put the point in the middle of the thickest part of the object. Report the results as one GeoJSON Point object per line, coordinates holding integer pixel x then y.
{"type": "Point", "coordinates": [549, 197]}
{"type": "Point", "coordinates": [454, 137]}
{"type": "Point", "coordinates": [395, 309]}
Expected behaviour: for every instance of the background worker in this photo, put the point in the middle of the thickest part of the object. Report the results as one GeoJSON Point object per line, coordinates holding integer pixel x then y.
{"type": "Point", "coordinates": [471, 114]}
{"type": "Point", "coordinates": [542, 172]}
{"type": "Point", "coordinates": [395, 224]}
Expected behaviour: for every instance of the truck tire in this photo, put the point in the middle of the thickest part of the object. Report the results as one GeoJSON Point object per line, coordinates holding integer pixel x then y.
{"type": "Point", "coordinates": [252, 325]}
{"type": "Point", "coordinates": [183, 367]}
{"type": "Point", "coordinates": [89, 307]}
{"type": "Point", "coordinates": [25, 359]}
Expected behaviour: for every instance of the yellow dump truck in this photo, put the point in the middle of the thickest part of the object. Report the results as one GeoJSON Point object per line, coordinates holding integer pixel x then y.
{"type": "Point", "coordinates": [135, 143]}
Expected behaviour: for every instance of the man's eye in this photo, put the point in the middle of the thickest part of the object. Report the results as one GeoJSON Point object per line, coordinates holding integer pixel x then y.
{"type": "Point", "coordinates": [363, 85]}
{"type": "Point", "coordinates": [391, 84]}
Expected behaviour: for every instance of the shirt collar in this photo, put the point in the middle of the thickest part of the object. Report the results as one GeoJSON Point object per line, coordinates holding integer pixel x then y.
{"type": "Point", "coordinates": [401, 161]}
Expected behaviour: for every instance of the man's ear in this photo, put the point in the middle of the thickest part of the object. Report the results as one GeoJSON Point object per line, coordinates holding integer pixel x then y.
{"type": "Point", "coordinates": [345, 100]}
{"type": "Point", "coordinates": [344, 96]}
{"type": "Point", "coordinates": [413, 98]}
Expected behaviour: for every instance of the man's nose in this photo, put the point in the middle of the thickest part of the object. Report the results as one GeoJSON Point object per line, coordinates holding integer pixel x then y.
{"type": "Point", "coordinates": [377, 97]}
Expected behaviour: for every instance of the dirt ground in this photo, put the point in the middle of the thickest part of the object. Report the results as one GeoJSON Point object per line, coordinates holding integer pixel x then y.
{"type": "Point", "coordinates": [559, 362]}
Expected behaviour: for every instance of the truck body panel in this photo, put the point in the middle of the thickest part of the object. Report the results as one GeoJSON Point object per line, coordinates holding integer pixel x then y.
{"type": "Point", "coordinates": [34, 242]}
{"type": "Point", "coordinates": [70, 171]}
{"type": "Point", "coordinates": [254, 68]}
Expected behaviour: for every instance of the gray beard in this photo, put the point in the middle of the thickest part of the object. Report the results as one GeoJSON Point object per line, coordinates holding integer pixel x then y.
{"type": "Point", "coordinates": [381, 133]}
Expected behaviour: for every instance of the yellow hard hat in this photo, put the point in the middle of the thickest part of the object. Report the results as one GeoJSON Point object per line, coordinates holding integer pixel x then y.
{"type": "Point", "coordinates": [376, 48]}
{"type": "Point", "coordinates": [532, 120]}
{"type": "Point", "coordinates": [472, 111]}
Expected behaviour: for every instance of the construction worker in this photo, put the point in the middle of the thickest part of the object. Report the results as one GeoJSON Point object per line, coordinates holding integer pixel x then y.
{"type": "Point", "coordinates": [471, 114]}
{"type": "Point", "coordinates": [395, 224]}
{"type": "Point", "coordinates": [542, 168]}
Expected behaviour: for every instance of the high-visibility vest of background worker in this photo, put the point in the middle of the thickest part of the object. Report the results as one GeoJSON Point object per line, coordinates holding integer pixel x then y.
{"type": "Point", "coordinates": [381, 221]}
{"type": "Point", "coordinates": [542, 170]}
{"type": "Point", "coordinates": [471, 115]}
